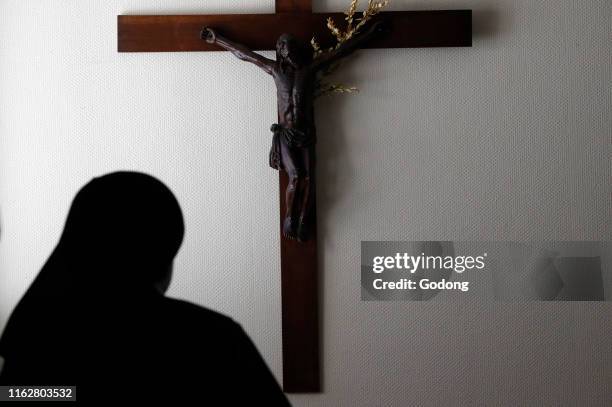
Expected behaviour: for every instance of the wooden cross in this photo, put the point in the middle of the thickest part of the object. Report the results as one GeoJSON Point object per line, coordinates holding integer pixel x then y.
{"type": "Point", "coordinates": [161, 33]}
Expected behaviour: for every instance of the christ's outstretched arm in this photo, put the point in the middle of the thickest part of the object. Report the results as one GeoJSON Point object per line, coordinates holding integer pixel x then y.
{"type": "Point", "coordinates": [352, 44]}
{"type": "Point", "coordinates": [239, 50]}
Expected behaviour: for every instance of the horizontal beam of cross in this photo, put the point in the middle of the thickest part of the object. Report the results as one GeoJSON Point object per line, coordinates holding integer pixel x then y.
{"type": "Point", "coordinates": [175, 33]}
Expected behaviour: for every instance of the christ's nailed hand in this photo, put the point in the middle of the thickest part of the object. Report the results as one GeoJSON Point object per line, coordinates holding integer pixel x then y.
{"type": "Point", "coordinates": [381, 27]}
{"type": "Point", "coordinates": [209, 35]}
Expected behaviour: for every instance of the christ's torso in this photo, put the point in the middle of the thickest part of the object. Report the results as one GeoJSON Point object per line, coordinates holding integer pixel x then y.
{"type": "Point", "coordinates": [295, 94]}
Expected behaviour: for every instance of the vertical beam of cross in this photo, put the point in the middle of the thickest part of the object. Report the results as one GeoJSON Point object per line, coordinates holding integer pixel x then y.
{"type": "Point", "coordinates": [299, 292]}
{"type": "Point", "coordinates": [299, 285]}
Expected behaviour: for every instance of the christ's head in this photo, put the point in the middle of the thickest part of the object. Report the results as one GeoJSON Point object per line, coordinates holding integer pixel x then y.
{"type": "Point", "coordinates": [290, 50]}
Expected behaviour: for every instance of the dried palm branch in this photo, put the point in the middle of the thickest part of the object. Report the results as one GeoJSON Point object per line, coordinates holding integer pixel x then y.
{"type": "Point", "coordinates": [341, 36]}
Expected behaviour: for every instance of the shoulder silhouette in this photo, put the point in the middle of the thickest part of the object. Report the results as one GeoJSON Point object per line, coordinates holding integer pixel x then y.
{"type": "Point", "coordinates": [96, 315]}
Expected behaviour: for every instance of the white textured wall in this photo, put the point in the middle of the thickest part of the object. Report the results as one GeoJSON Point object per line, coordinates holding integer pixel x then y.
{"type": "Point", "coordinates": [508, 140]}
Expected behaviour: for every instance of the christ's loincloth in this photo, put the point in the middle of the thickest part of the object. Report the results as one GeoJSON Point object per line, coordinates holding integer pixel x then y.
{"type": "Point", "coordinates": [294, 138]}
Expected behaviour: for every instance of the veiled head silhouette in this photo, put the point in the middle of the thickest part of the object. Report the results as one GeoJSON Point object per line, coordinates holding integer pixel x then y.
{"type": "Point", "coordinates": [122, 232]}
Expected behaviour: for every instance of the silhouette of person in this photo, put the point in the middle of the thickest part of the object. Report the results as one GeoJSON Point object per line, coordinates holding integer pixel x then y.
{"type": "Point", "coordinates": [96, 315]}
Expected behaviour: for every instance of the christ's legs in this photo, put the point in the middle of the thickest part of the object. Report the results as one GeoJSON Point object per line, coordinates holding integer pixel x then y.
{"type": "Point", "coordinates": [289, 223]}
{"type": "Point", "coordinates": [291, 164]}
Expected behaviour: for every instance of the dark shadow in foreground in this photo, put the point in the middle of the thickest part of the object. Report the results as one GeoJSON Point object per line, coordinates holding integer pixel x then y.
{"type": "Point", "coordinates": [96, 315]}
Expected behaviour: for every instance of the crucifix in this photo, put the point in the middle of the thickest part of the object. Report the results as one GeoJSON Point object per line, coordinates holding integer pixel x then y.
{"type": "Point", "coordinates": [292, 151]}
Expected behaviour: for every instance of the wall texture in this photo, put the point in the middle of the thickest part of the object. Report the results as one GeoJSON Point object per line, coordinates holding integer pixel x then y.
{"type": "Point", "coordinates": [508, 140]}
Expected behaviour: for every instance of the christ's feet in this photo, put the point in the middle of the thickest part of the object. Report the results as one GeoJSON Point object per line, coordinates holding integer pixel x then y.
{"type": "Point", "coordinates": [289, 228]}
{"type": "Point", "coordinates": [303, 231]}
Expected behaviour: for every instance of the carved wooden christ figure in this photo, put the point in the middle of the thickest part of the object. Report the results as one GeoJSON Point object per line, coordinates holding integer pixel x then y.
{"type": "Point", "coordinates": [293, 143]}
